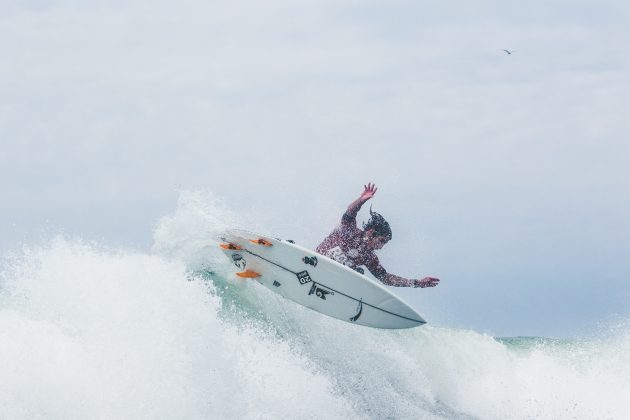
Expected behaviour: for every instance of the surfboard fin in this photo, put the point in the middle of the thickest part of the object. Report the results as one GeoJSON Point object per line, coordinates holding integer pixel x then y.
{"type": "Point", "coordinates": [248, 274]}
{"type": "Point", "coordinates": [261, 241]}
{"type": "Point", "coordinates": [230, 246]}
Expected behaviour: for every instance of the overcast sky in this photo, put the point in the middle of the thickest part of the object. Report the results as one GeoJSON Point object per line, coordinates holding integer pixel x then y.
{"type": "Point", "coordinates": [504, 175]}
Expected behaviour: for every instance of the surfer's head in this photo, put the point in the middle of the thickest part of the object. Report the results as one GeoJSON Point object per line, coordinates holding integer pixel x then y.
{"type": "Point", "coordinates": [377, 230]}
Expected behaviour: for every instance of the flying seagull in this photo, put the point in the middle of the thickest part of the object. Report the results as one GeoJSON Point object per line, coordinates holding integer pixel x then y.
{"type": "Point", "coordinates": [508, 52]}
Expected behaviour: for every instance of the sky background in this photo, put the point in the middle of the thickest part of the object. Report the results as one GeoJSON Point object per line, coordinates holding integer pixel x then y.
{"type": "Point", "coordinates": [504, 175]}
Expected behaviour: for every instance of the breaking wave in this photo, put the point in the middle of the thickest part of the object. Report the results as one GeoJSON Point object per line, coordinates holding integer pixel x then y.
{"type": "Point", "coordinates": [88, 331]}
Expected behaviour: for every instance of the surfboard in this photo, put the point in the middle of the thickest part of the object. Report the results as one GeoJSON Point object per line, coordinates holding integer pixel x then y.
{"type": "Point", "coordinates": [316, 281]}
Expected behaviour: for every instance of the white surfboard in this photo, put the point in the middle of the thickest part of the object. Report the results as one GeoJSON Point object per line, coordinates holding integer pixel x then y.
{"type": "Point", "coordinates": [316, 281]}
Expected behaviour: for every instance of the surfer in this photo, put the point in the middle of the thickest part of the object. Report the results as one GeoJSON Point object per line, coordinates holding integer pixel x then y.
{"type": "Point", "coordinates": [354, 247]}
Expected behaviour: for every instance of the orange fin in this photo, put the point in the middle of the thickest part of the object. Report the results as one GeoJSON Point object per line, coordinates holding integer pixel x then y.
{"type": "Point", "coordinates": [248, 274]}
{"type": "Point", "coordinates": [261, 241]}
{"type": "Point", "coordinates": [230, 246]}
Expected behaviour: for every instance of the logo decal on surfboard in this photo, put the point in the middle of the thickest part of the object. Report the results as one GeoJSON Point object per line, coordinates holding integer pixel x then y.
{"type": "Point", "coordinates": [319, 291]}
{"type": "Point", "coordinates": [310, 261]}
{"type": "Point", "coordinates": [239, 261]}
{"type": "Point", "coordinates": [359, 309]}
{"type": "Point", "coordinates": [304, 277]}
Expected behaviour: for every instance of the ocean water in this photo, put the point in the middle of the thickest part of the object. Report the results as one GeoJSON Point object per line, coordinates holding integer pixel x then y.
{"type": "Point", "coordinates": [89, 331]}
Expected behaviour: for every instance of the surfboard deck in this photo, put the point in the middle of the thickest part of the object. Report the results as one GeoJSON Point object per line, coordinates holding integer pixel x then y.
{"type": "Point", "coordinates": [316, 281]}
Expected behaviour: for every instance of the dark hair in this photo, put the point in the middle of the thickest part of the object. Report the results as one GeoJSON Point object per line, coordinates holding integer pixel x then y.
{"type": "Point", "coordinates": [378, 224]}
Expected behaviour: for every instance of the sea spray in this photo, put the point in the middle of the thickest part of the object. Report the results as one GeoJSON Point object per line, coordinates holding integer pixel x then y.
{"type": "Point", "coordinates": [430, 371]}
{"type": "Point", "coordinates": [93, 333]}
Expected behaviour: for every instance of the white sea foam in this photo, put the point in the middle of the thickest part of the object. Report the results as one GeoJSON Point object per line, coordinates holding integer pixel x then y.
{"type": "Point", "coordinates": [88, 332]}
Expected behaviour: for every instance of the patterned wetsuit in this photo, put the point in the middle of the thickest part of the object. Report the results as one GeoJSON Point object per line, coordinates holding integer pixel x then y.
{"type": "Point", "coordinates": [345, 245]}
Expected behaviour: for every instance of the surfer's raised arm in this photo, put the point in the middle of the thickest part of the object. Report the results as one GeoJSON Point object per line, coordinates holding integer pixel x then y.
{"type": "Point", "coordinates": [353, 209]}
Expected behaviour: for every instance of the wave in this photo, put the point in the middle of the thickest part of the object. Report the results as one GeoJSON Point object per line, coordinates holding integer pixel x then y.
{"type": "Point", "coordinates": [93, 332]}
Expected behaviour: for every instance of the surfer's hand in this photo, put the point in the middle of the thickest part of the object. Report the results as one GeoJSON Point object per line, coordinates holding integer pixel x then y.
{"type": "Point", "coordinates": [426, 282]}
{"type": "Point", "coordinates": [368, 191]}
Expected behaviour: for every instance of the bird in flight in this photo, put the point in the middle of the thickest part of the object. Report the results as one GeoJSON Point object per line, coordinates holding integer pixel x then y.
{"type": "Point", "coordinates": [508, 52]}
